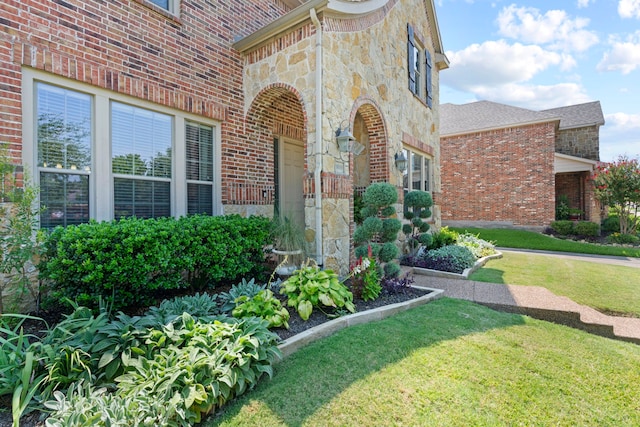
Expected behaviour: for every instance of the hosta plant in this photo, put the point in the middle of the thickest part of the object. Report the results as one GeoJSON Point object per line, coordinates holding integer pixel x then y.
{"type": "Point", "coordinates": [263, 305]}
{"type": "Point", "coordinates": [249, 289]}
{"type": "Point", "coordinates": [311, 287]}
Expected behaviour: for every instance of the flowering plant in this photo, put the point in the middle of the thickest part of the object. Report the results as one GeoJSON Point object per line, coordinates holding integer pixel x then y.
{"type": "Point", "coordinates": [365, 278]}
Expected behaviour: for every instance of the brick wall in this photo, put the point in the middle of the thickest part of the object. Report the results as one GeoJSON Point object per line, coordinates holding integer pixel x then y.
{"type": "Point", "coordinates": [503, 177]}
{"type": "Point", "coordinates": [135, 48]}
{"type": "Point", "coordinates": [580, 142]}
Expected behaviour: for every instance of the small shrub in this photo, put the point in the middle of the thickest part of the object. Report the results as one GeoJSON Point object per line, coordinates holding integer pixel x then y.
{"type": "Point", "coordinates": [397, 285]}
{"type": "Point", "coordinates": [479, 248]}
{"type": "Point", "coordinates": [611, 224]}
{"type": "Point", "coordinates": [623, 239]}
{"type": "Point", "coordinates": [563, 228]}
{"type": "Point", "coordinates": [443, 237]}
{"type": "Point", "coordinates": [452, 258]}
{"type": "Point", "coordinates": [586, 228]}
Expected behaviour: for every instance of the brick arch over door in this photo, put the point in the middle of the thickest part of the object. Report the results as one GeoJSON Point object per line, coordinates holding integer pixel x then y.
{"type": "Point", "coordinates": [378, 149]}
{"type": "Point", "coordinates": [276, 111]}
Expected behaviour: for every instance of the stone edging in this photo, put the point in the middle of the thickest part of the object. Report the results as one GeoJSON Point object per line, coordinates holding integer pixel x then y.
{"type": "Point", "coordinates": [464, 275]}
{"type": "Point", "coordinates": [294, 343]}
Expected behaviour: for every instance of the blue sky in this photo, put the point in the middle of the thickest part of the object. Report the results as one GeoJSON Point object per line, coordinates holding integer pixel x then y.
{"type": "Point", "coordinates": [540, 54]}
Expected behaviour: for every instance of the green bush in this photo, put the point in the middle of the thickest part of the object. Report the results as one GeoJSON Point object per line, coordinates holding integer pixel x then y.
{"type": "Point", "coordinates": [479, 248]}
{"type": "Point", "coordinates": [586, 228]}
{"type": "Point", "coordinates": [452, 258]}
{"type": "Point", "coordinates": [611, 224]}
{"type": "Point", "coordinates": [130, 261]}
{"type": "Point", "coordinates": [442, 237]}
{"type": "Point", "coordinates": [623, 239]}
{"type": "Point", "coordinates": [563, 228]}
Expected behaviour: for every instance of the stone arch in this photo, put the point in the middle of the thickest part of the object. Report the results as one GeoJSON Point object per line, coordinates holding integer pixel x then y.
{"type": "Point", "coordinates": [370, 127]}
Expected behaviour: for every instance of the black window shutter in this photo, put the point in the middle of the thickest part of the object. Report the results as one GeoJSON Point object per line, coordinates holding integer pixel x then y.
{"type": "Point", "coordinates": [411, 46]}
{"type": "Point", "coordinates": [428, 69]}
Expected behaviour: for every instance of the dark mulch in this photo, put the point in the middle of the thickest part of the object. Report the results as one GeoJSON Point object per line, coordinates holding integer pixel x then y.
{"type": "Point", "coordinates": [297, 325]}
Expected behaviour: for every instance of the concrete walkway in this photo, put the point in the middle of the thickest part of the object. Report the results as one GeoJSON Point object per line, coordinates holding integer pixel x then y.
{"type": "Point", "coordinates": [541, 303]}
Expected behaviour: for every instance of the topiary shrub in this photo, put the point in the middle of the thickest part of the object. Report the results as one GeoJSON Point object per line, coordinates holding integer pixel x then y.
{"type": "Point", "coordinates": [417, 206]}
{"type": "Point", "coordinates": [563, 228]}
{"type": "Point", "coordinates": [379, 229]}
{"type": "Point", "coordinates": [452, 258]}
{"type": "Point", "coordinates": [586, 229]}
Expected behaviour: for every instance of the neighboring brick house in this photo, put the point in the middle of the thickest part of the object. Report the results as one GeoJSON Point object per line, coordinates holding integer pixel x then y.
{"type": "Point", "coordinates": [504, 166]}
{"type": "Point", "coordinates": [170, 107]}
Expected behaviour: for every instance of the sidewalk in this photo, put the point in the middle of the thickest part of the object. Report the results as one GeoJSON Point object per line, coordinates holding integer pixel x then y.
{"type": "Point", "coordinates": [541, 303]}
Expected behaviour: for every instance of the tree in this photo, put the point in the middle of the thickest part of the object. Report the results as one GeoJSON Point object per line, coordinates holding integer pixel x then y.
{"type": "Point", "coordinates": [617, 184]}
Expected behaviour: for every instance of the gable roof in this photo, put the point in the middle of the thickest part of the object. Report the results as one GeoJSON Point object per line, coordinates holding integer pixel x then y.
{"type": "Point", "coordinates": [486, 115]}
{"type": "Point", "coordinates": [340, 7]}
{"type": "Point", "coordinates": [581, 115]}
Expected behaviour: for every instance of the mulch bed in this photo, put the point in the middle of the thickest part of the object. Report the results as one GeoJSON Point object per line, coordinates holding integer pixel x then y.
{"type": "Point", "coordinates": [296, 326]}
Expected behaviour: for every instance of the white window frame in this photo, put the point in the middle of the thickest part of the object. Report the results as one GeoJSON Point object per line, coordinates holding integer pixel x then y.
{"type": "Point", "coordinates": [426, 172]}
{"type": "Point", "coordinates": [101, 201]}
{"type": "Point", "coordinates": [173, 6]}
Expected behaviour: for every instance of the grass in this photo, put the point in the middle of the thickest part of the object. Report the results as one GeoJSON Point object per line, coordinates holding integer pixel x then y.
{"type": "Point", "coordinates": [530, 240]}
{"type": "Point", "coordinates": [449, 363]}
{"type": "Point", "coordinates": [607, 288]}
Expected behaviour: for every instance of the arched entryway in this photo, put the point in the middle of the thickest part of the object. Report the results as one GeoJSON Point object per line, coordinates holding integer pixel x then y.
{"type": "Point", "coordinates": [372, 165]}
{"type": "Point", "coordinates": [277, 121]}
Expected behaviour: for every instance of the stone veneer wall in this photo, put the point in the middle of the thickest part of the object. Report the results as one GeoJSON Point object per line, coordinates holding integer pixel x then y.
{"type": "Point", "coordinates": [503, 177]}
{"type": "Point", "coordinates": [364, 65]}
{"type": "Point", "coordinates": [579, 142]}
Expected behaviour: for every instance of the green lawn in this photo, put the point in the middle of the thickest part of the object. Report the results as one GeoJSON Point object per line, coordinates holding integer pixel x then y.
{"type": "Point", "coordinates": [449, 363]}
{"type": "Point", "coordinates": [608, 288]}
{"type": "Point", "coordinates": [530, 240]}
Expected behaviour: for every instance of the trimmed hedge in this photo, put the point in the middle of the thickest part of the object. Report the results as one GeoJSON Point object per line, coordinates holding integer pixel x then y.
{"type": "Point", "coordinates": [129, 261]}
{"type": "Point", "coordinates": [577, 228]}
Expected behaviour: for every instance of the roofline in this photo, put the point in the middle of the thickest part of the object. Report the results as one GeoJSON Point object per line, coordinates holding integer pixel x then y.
{"type": "Point", "coordinates": [582, 125]}
{"type": "Point", "coordinates": [510, 125]}
{"type": "Point", "coordinates": [576, 159]}
{"type": "Point", "coordinates": [302, 13]}
{"type": "Point", "coordinates": [296, 16]}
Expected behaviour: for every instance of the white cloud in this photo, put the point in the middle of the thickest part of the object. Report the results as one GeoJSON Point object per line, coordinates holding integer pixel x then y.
{"type": "Point", "coordinates": [555, 28]}
{"type": "Point", "coordinates": [534, 97]}
{"type": "Point", "coordinates": [497, 71]}
{"type": "Point", "coordinates": [497, 62]}
{"type": "Point", "coordinates": [583, 3]}
{"type": "Point", "coordinates": [624, 55]}
{"type": "Point", "coordinates": [620, 135]}
{"type": "Point", "coordinates": [629, 8]}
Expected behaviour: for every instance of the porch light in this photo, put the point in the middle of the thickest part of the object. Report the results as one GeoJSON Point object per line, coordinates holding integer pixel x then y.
{"type": "Point", "coordinates": [401, 162]}
{"type": "Point", "coordinates": [347, 142]}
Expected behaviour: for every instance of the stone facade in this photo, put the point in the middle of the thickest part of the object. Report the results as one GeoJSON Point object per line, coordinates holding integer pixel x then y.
{"type": "Point", "coordinates": [579, 142]}
{"type": "Point", "coordinates": [364, 85]}
{"type": "Point", "coordinates": [501, 178]}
